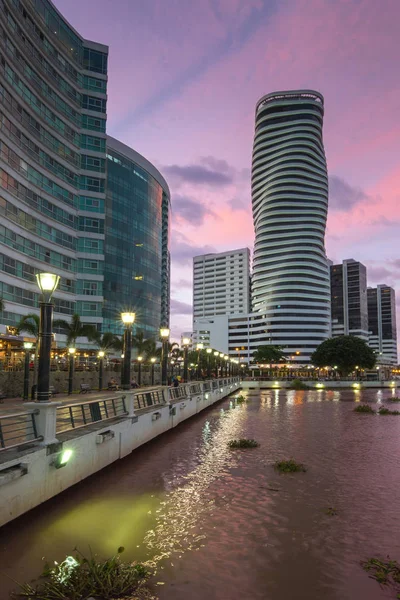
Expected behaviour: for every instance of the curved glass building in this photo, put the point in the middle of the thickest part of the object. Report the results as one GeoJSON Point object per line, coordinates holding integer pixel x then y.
{"type": "Point", "coordinates": [53, 86]}
{"type": "Point", "coordinates": [137, 260]}
{"type": "Point", "coordinates": [291, 284]}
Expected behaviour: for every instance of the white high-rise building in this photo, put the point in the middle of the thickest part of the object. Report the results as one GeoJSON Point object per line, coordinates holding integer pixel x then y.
{"type": "Point", "coordinates": [221, 287]}
{"type": "Point", "coordinates": [290, 284]}
{"type": "Point", "coordinates": [382, 323]}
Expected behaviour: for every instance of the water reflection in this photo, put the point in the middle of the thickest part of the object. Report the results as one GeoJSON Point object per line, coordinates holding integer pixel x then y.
{"type": "Point", "coordinates": [222, 524]}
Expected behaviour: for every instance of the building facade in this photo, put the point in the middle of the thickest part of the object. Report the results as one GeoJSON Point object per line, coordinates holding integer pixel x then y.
{"type": "Point", "coordinates": [53, 86]}
{"type": "Point", "coordinates": [137, 260]}
{"type": "Point", "coordinates": [349, 305]}
{"type": "Point", "coordinates": [290, 282]}
{"type": "Point", "coordinates": [382, 323]}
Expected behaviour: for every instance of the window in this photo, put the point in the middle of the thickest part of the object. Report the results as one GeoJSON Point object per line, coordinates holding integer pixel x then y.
{"type": "Point", "coordinates": [95, 61]}
{"type": "Point", "coordinates": [91, 225]}
{"type": "Point", "coordinates": [91, 142]}
{"type": "Point", "coordinates": [93, 123]}
{"type": "Point", "coordinates": [93, 103]}
{"type": "Point", "coordinates": [91, 163]}
{"type": "Point", "coordinates": [91, 184]}
{"type": "Point", "coordinates": [94, 84]}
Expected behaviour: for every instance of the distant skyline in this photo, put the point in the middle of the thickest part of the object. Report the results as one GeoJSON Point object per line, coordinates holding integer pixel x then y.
{"type": "Point", "coordinates": [184, 79]}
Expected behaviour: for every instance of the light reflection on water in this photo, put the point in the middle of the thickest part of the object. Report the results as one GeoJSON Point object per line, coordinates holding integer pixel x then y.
{"type": "Point", "coordinates": [220, 524]}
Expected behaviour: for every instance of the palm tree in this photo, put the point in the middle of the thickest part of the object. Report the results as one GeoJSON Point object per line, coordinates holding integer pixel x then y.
{"type": "Point", "coordinates": [139, 342]}
{"type": "Point", "coordinates": [107, 341]}
{"type": "Point", "coordinates": [151, 350]}
{"type": "Point", "coordinates": [30, 324]}
{"type": "Point", "coordinates": [75, 328]}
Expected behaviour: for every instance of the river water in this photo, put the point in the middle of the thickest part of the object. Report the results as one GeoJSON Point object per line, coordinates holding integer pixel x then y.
{"type": "Point", "coordinates": [223, 525]}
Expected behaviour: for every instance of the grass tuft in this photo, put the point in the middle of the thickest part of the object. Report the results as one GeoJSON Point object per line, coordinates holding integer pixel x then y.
{"type": "Point", "coordinates": [289, 466]}
{"type": "Point", "coordinates": [81, 578]}
{"type": "Point", "coordinates": [331, 511]}
{"type": "Point", "coordinates": [386, 411]}
{"type": "Point", "coordinates": [385, 572]}
{"type": "Point", "coordinates": [242, 443]}
{"type": "Point", "coordinates": [241, 400]}
{"type": "Point", "coordinates": [365, 409]}
{"type": "Point", "coordinates": [394, 399]}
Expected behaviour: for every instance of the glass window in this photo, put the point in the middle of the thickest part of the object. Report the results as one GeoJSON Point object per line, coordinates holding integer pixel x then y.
{"type": "Point", "coordinates": [95, 61]}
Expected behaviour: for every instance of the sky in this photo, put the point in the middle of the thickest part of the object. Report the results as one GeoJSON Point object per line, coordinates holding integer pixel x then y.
{"type": "Point", "coordinates": [184, 79]}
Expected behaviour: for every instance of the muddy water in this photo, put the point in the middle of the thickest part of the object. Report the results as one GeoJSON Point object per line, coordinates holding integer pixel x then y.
{"type": "Point", "coordinates": [221, 524]}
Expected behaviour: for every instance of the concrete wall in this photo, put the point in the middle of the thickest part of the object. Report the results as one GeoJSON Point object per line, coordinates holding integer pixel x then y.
{"type": "Point", "coordinates": [330, 385]}
{"type": "Point", "coordinates": [28, 478]}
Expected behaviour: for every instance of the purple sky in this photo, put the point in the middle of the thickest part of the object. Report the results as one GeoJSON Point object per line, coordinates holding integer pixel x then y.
{"type": "Point", "coordinates": [184, 77]}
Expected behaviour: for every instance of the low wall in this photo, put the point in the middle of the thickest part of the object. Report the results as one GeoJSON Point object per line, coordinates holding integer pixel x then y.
{"type": "Point", "coordinates": [318, 385]}
{"type": "Point", "coordinates": [29, 477]}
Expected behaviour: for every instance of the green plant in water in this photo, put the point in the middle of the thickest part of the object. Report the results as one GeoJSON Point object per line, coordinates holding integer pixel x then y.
{"type": "Point", "coordinates": [241, 399]}
{"type": "Point", "coordinates": [289, 466]}
{"type": "Point", "coordinates": [242, 443]}
{"type": "Point", "coordinates": [80, 578]}
{"type": "Point", "coordinates": [386, 411]}
{"type": "Point", "coordinates": [331, 511]}
{"type": "Point", "coordinates": [364, 408]}
{"type": "Point", "coordinates": [298, 385]}
{"type": "Point", "coordinates": [394, 399]}
{"type": "Point", "coordinates": [384, 572]}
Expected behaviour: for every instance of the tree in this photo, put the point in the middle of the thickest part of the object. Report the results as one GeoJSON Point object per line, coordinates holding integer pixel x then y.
{"type": "Point", "coordinates": [30, 324]}
{"type": "Point", "coordinates": [139, 342]}
{"type": "Point", "coordinates": [268, 354]}
{"type": "Point", "coordinates": [75, 328]}
{"type": "Point", "coordinates": [151, 350]}
{"type": "Point", "coordinates": [346, 352]}
{"type": "Point", "coordinates": [107, 341]}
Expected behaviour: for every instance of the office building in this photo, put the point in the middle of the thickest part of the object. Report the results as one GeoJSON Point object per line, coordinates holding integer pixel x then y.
{"type": "Point", "coordinates": [349, 306]}
{"type": "Point", "coordinates": [53, 86]}
{"type": "Point", "coordinates": [290, 282]}
{"type": "Point", "coordinates": [382, 323]}
{"type": "Point", "coordinates": [221, 283]}
{"type": "Point", "coordinates": [137, 259]}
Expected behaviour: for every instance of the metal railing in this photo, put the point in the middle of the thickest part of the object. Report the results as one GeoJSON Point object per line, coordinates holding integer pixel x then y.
{"type": "Point", "coordinates": [74, 416]}
{"type": "Point", "coordinates": [195, 388]}
{"type": "Point", "coordinates": [175, 393]}
{"type": "Point", "coordinates": [17, 430]}
{"type": "Point", "coordinates": [150, 398]}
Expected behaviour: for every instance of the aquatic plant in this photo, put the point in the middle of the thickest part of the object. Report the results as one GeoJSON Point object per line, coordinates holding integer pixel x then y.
{"type": "Point", "coordinates": [385, 572]}
{"type": "Point", "coordinates": [296, 384]}
{"type": "Point", "coordinates": [385, 411]}
{"type": "Point", "coordinates": [289, 466]}
{"type": "Point", "coordinates": [331, 511]}
{"type": "Point", "coordinates": [394, 399]}
{"type": "Point", "coordinates": [241, 399]}
{"type": "Point", "coordinates": [81, 578]}
{"type": "Point", "coordinates": [242, 443]}
{"type": "Point", "coordinates": [364, 408]}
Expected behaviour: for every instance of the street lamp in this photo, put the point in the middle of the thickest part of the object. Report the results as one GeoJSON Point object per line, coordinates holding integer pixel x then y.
{"type": "Point", "coordinates": [164, 334]}
{"type": "Point", "coordinates": [209, 352]}
{"type": "Point", "coordinates": [152, 360]}
{"type": "Point", "coordinates": [27, 346]}
{"type": "Point", "coordinates": [186, 343]}
{"type": "Point", "coordinates": [140, 358]}
{"type": "Point", "coordinates": [128, 319]}
{"type": "Point", "coordinates": [47, 283]}
{"type": "Point", "coordinates": [216, 355]}
{"type": "Point", "coordinates": [101, 358]}
{"type": "Point", "coordinates": [71, 352]}
{"type": "Point", "coordinates": [199, 348]}
{"type": "Point", "coordinates": [226, 357]}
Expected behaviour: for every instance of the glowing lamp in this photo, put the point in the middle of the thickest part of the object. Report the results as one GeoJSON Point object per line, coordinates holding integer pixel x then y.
{"type": "Point", "coordinates": [47, 283]}
{"type": "Point", "coordinates": [28, 345]}
{"type": "Point", "coordinates": [164, 332]}
{"type": "Point", "coordinates": [128, 318]}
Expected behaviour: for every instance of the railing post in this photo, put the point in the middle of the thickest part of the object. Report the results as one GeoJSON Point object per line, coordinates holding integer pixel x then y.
{"type": "Point", "coordinates": [45, 419]}
{"type": "Point", "coordinates": [130, 403]}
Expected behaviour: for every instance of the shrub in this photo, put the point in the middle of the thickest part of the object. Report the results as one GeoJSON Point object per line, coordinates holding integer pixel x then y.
{"type": "Point", "coordinates": [394, 399]}
{"type": "Point", "coordinates": [241, 399]}
{"type": "Point", "coordinates": [298, 385]}
{"type": "Point", "coordinates": [364, 408]}
{"type": "Point", "coordinates": [242, 443]}
{"type": "Point", "coordinates": [289, 466]}
{"type": "Point", "coordinates": [80, 578]}
{"type": "Point", "coordinates": [386, 411]}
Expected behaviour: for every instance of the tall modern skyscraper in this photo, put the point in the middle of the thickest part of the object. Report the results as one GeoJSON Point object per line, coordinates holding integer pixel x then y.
{"type": "Point", "coordinates": [382, 323]}
{"type": "Point", "coordinates": [349, 299]}
{"type": "Point", "coordinates": [290, 284]}
{"type": "Point", "coordinates": [136, 268]}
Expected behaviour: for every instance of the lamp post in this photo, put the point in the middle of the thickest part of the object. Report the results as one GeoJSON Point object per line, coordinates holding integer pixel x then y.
{"type": "Point", "coordinates": [226, 357]}
{"type": "Point", "coordinates": [47, 283]}
{"type": "Point", "coordinates": [101, 359]}
{"type": "Point", "coordinates": [186, 344]}
{"type": "Point", "coordinates": [164, 333]}
{"type": "Point", "coordinates": [199, 348]}
{"type": "Point", "coordinates": [209, 352]}
{"type": "Point", "coordinates": [128, 319]}
{"type": "Point", "coordinates": [216, 355]}
{"type": "Point", "coordinates": [152, 360]}
{"type": "Point", "coordinates": [172, 363]}
{"type": "Point", "coordinates": [140, 358]}
{"type": "Point", "coordinates": [27, 348]}
{"type": "Point", "coordinates": [71, 352]}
